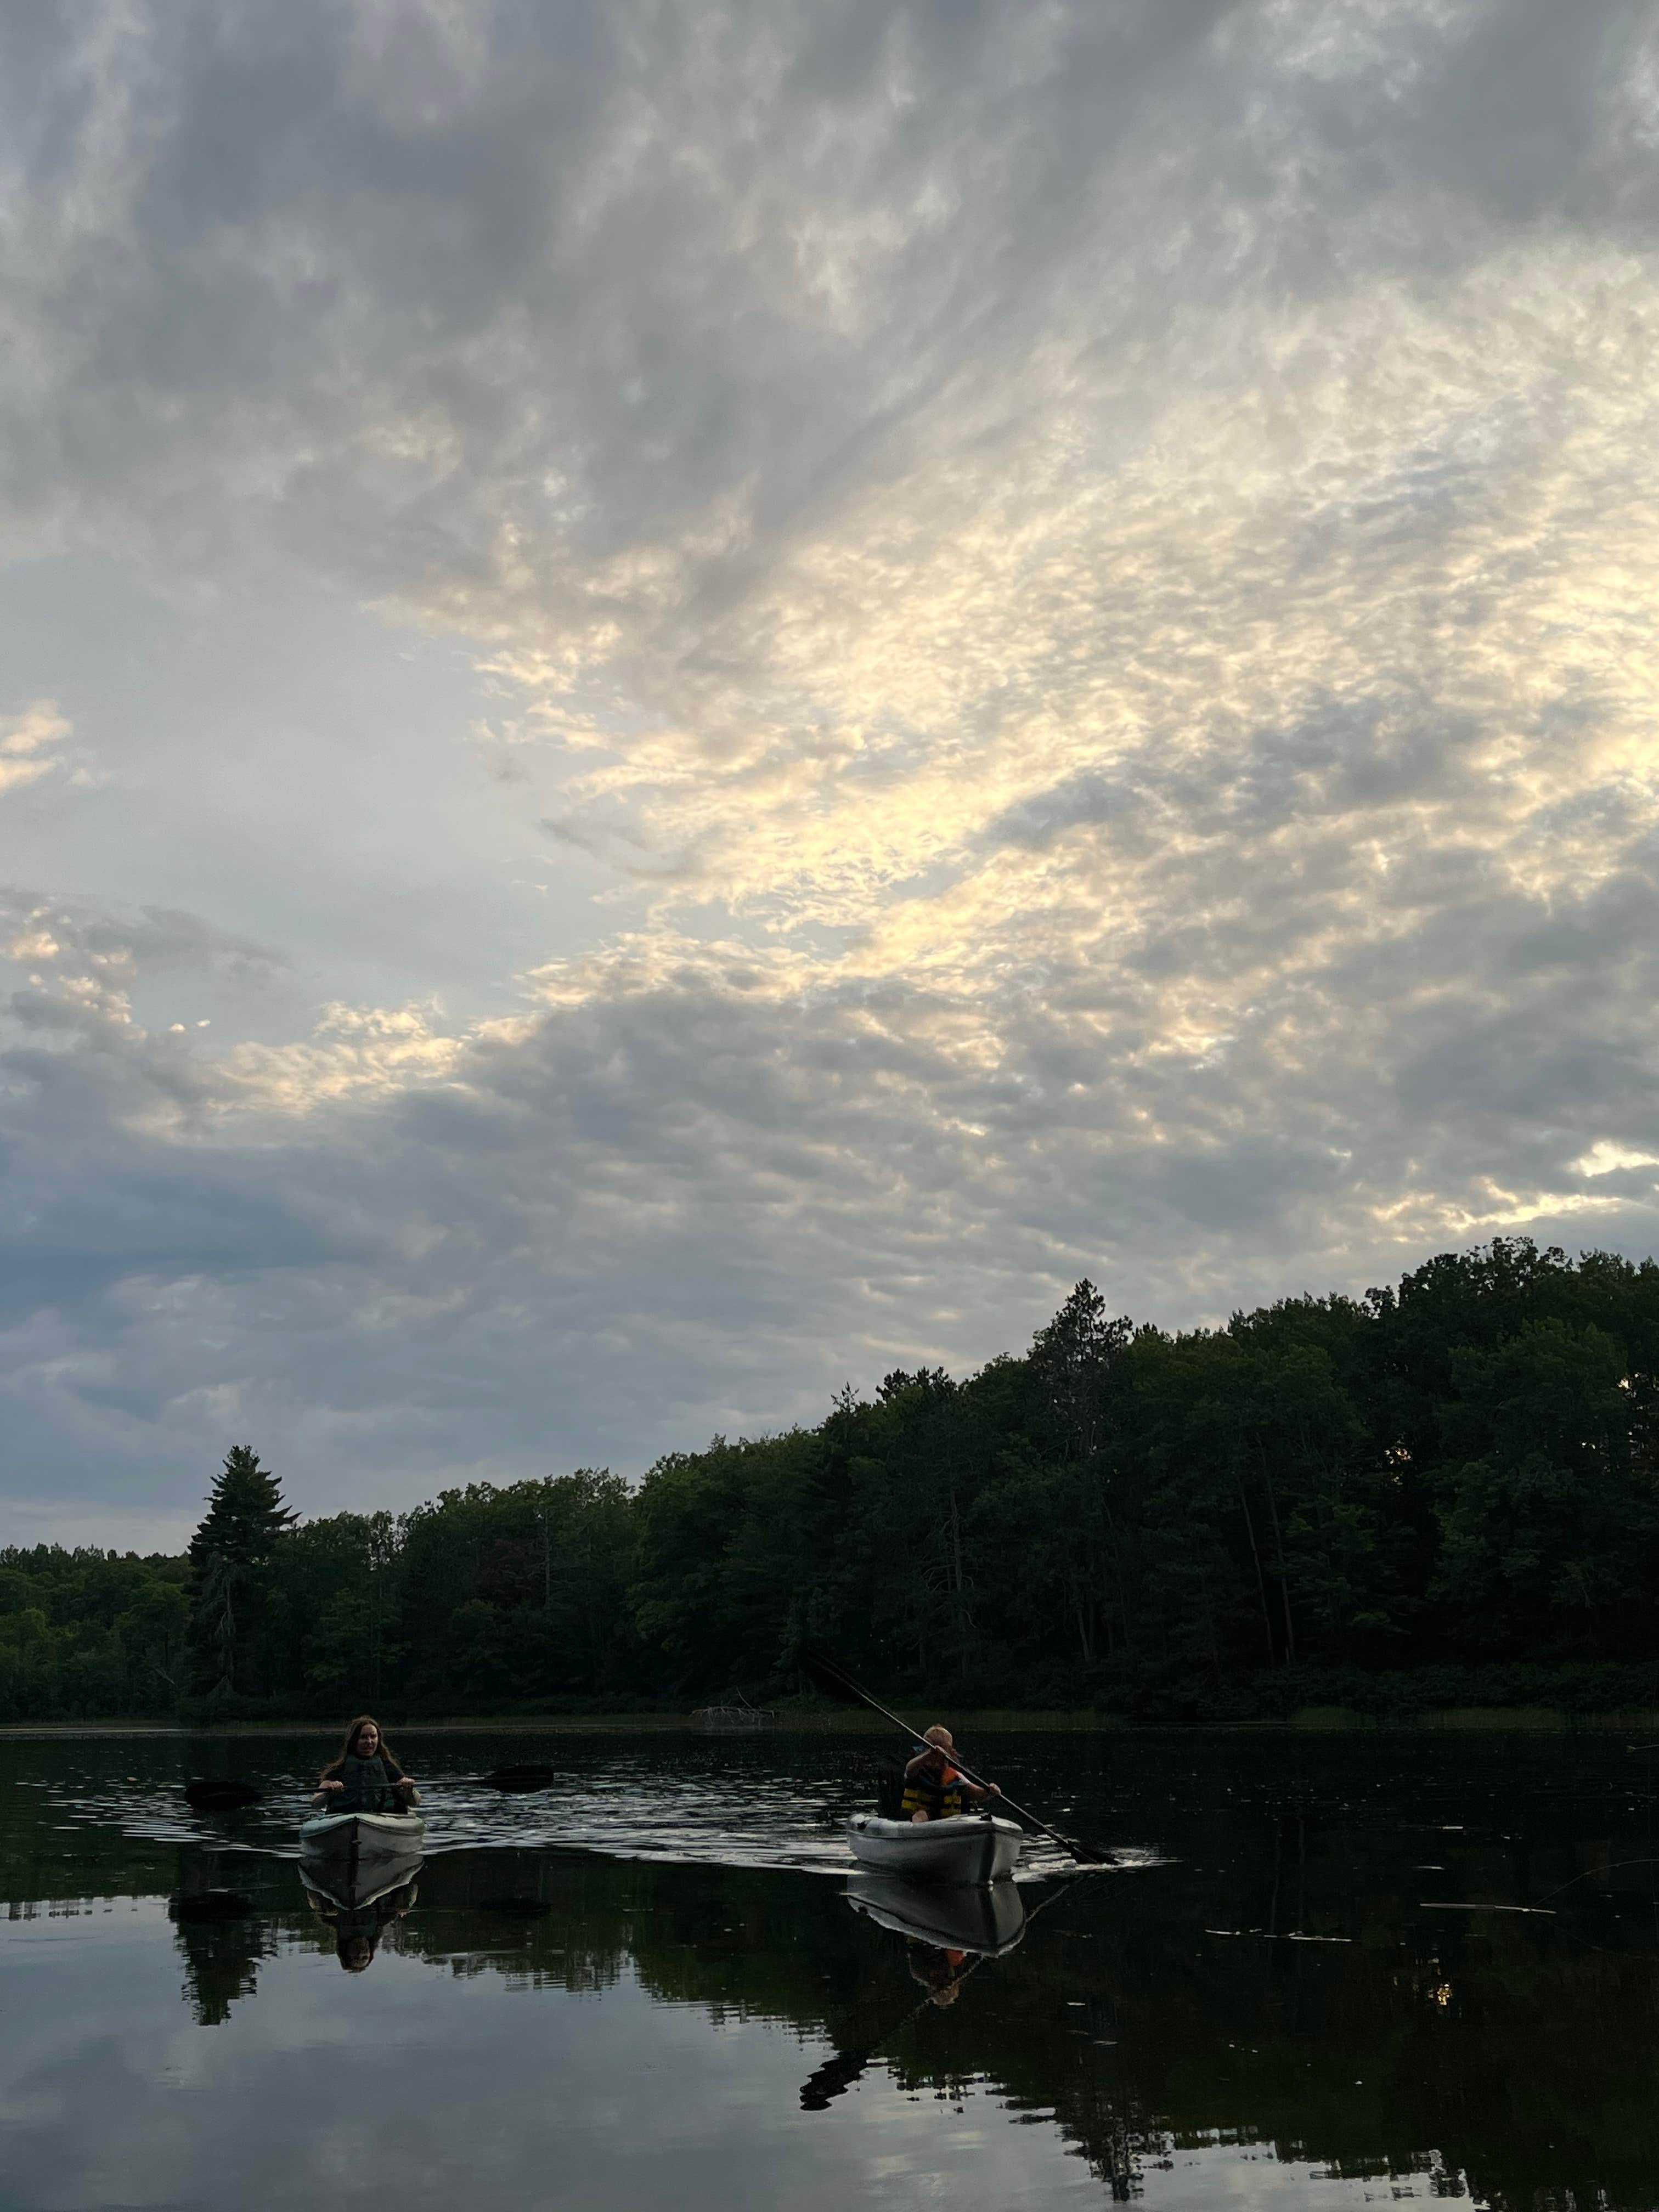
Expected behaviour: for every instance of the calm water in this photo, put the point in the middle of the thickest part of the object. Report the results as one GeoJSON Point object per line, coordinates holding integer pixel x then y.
{"type": "Point", "coordinates": [652, 1985]}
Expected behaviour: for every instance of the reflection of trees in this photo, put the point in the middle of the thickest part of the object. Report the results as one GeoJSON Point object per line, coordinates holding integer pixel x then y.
{"type": "Point", "coordinates": [1519, 2053]}
{"type": "Point", "coordinates": [571, 1930]}
{"type": "Point", "coordinates": [221, 1932]}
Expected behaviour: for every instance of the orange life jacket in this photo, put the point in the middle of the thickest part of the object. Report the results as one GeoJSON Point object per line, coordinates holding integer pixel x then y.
{"type": "Point", "coordinates": [938, 1795]}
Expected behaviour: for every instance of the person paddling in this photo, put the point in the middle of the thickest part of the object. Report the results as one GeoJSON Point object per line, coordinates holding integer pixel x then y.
{"type": "Point", "coordinates": [365, 1778]}
{"type": "Point", "coordinates": [933, 1788]}
{"type": "Point", "coordinates": [941, 1973]}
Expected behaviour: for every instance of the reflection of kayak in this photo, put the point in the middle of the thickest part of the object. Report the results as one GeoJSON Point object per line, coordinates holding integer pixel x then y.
{"type": "Point", "coordinates": [969, 1848]}
{"type": "Point", "coordinates": [333, 1886]}
{"type": "Point", "coordinates": [374, 1834]}
{"type": "Point", "coordinates": [988, 1919]}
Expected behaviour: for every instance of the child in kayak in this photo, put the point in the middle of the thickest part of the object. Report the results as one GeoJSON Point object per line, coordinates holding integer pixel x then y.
{"type": "Point", "coordinates": [933, 1788]}
{"type": "Point", "coordinates": [365, 1778]}
{"type": "Point", "coordinates": [941, 1973]}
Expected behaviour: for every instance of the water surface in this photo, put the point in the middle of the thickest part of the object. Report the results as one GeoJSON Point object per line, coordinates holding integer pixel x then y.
{"type": "Point", "coordinates": [1330, 1970]}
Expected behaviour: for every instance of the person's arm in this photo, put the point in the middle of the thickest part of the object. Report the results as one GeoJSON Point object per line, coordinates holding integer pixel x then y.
{"type": "Point", "coordinates": [915, 1766]}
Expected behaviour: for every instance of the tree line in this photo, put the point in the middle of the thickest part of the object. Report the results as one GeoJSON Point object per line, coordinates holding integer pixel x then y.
{"type": "Point", "coordinates": [1444, 1492]}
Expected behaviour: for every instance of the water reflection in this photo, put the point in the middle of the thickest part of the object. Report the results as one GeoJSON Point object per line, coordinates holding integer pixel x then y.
{"type": "Point", "coordinates": [358, 1902]}
{"type": "Point", "coordinates": [1281, 1997]}
{"type": "Point", "coordinates": [982, 1920]}
{"type": "Point", "coordinates": [221, 1932]}
{"type": "Point", "coordinates": [946, 1933]}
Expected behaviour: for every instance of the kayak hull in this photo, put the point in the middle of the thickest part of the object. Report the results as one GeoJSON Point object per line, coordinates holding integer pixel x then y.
{"type": "Point", "coordinates": [337, 1835]}
{"type": "Point", "coordinates": [968, 1850]}
{"type": "Point", "coordinates": [349, 1890]}
{"type": "Point", "coordinates": [989, 1919]}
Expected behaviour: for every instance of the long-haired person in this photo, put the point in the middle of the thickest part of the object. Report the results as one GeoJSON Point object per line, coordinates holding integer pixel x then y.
{"type": "Point", "coordinates": [365, 1778]}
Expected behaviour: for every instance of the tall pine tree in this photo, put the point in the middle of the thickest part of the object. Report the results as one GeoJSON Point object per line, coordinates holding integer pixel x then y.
{"type": "Point", "coordinates": [230, 1556]}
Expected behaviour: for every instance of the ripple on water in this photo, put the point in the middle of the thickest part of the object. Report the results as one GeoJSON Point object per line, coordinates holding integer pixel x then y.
{"type": "Point", "coordinates": [747, 1820]}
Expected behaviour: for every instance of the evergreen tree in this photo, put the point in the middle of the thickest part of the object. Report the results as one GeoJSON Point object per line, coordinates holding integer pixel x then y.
{"type": "Point", "coordinates": [230, 1555]}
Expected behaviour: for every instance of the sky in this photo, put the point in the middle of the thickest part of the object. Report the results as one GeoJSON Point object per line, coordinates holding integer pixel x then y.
{"type": "Point", "coordinates": [694, 700]}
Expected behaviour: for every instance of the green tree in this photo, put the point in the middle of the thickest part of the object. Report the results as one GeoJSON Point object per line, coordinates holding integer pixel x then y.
{"type": "Point", "coordinates": [230, 1558]}
{"type": "Point", "coordinates": [1075, 1362]}
{"type": "Point", "coordinates": [1551, 1527]}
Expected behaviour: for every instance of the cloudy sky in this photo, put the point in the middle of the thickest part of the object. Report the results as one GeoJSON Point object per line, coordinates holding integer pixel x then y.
{"type": "Point", "coordinates": [695, 698]}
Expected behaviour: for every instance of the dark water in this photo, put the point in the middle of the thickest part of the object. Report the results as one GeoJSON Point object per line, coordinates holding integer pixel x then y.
{"type": "Point", "coordinates": [650, 1986]}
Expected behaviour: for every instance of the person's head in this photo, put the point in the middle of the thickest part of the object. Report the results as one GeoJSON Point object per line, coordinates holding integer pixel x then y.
{"type": "Point", "coordinates": [937, 1973]}
{"type": "Point", "coordinates": [354, 1953]}
{"type": "Point", "coordinates": [363, 1738]}
{"type": "Point", "coordinates": [939, 1739]}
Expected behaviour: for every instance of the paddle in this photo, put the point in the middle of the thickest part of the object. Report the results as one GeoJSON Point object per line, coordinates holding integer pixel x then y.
{"type": "Point", "coordinates": [843, 2067]}
{"type": "Point", "coordinates": [215, 1797]}
{"type": "Point", "coordinates": [834, 1678]}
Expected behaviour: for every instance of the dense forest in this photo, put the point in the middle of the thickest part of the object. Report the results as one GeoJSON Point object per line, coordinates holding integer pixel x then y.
{"type": "Point", "coordinates": [1444, 1493]}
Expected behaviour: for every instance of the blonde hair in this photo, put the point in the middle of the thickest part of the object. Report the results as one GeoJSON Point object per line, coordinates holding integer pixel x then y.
{"type": "Point", "coordinates": [939, 1735]}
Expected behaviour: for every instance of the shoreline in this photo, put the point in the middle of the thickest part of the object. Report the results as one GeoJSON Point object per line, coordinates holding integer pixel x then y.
{"type": "Point", "coordinates": [1310, 1720]}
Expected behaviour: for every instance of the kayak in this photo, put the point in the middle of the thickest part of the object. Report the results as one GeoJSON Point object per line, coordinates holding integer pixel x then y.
{"type": "Point", "coordinates": [368, 1833]}
{"type": "Point", "coordinates": [971, 1848]}
{"type": "Point", "coordinates": [989, 1919]}
{"type": "Point", "coordinates": [332, 1886]}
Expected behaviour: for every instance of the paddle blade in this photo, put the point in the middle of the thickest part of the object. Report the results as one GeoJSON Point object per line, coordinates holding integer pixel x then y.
{"type": "Point", "coordinates": [1084, 1854]}
{"type": "Point", "coordinates": [209, 1796]}
{"type": "Point", "coordinates": [521, 1778]}
{"type": "Point", "coordinates": [1088, 1854]}
{"type": "Point", "coordinates": [833, 2079]}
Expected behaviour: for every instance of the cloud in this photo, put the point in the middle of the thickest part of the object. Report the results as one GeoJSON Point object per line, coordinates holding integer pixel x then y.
{"type": "Point", "coordinates": [1087, 570]}
{"type": "Point", "coordinates": [26, 742]}
{"type": "Point", "coordinates": [688, 1194]}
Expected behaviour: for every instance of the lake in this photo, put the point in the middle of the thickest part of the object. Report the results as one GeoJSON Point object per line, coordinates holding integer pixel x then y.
{"type": "Point", "coordinates": [1331, 1970]}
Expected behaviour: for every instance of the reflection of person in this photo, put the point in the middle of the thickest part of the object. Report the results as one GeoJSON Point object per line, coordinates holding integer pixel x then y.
{"type": "Point", "coordinates": [941, 1973]}
{"type": "Point", "coordinates": [357, 1929]}
{"type": "Point", "coordinates": [365, 1778]}
{"type": "Point", "coordinates": [933, 1790]}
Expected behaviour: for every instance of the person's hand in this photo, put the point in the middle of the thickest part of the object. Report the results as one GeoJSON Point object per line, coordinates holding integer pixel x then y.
{"type": "Point", "coordinates": [993, 1790]}
{"type": "Point", "coordinates": [330, 1785]}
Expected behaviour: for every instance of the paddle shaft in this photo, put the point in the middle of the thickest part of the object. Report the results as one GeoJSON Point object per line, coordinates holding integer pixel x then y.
{"type": "Point", "coordinates": [864, 2053]}
{"type": "Point", "coordinates": [1084, 1856]}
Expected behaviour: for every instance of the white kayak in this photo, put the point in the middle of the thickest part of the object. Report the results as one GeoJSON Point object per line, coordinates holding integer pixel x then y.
{"type": "Point", "coordinates": [972, 1847]}
{"type": "Point", "coordinates": [349, 1891]}
{"type": "Point", "coordinates": [989, 1919]}
{"type": "Point", "coordinates": [364, 1833]}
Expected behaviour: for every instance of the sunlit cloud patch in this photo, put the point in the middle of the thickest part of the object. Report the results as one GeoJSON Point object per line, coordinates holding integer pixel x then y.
{"type": "Point", "coordinates": [1080, 578]}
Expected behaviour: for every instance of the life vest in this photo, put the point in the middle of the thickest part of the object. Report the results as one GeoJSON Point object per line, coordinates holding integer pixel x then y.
{"type": "Point", "coordinates": [368, 1785]}
{"type": "Point", "coordinates": [938, 1795]}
